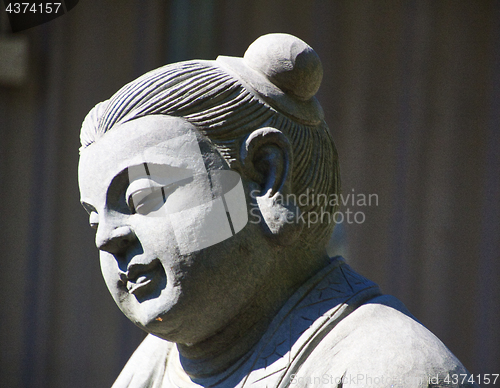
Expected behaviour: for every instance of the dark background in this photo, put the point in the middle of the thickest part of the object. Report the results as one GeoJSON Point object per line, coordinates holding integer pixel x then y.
{"type": "Point", "coordinates": [411, 93]}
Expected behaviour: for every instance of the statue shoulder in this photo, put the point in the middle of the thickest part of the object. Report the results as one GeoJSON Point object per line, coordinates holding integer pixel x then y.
{"type": "Point", "coordinates": [146, 367]}
{"type": "Point", "coordinates": [380, 344]}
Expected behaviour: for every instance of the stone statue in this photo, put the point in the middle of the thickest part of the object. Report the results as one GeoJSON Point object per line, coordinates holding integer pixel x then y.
{"type": "Point", "coordinates": [190, 175]}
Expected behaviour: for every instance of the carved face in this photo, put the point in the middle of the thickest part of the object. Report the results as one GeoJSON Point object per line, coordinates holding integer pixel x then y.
{"type": "Point", "coordinates": [170, 230]}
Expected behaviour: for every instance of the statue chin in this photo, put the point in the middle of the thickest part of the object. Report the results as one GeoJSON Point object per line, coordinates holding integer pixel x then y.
{"type": "Point", "coordinates": [147, 304]}
{"type": "Point", "coordinates": [204, 182]}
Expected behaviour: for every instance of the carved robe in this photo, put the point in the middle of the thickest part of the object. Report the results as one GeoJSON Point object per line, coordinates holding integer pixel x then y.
{"type": "Point", "coordinates": [337, 330]}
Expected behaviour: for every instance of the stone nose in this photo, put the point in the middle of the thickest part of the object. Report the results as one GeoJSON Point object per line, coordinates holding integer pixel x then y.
{"type": "Point", "coordinates": [115, 241]}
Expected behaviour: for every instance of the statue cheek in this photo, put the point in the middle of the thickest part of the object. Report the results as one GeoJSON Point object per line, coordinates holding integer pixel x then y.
{"type": "Point", "coordinates": [110, 273]}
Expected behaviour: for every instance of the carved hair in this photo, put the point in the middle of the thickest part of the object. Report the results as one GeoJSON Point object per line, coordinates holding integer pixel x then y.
{"type": "Point", "coordinates": [226, 112]}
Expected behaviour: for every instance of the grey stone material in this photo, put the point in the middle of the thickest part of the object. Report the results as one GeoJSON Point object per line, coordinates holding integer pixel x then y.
{"type": "Point", "coordinates": [189, 175]}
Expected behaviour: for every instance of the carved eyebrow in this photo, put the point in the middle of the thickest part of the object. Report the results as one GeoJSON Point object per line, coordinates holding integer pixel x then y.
{"type": "Point", "coordinates": [163, 173]}
{"type": "Point", "coordinates": [119, 183]}
{"type": "Point", "coordinates": [90, 208]}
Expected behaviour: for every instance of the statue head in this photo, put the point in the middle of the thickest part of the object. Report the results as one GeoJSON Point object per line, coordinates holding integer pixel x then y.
{"type": "Point", "coordinates": [191, 175]}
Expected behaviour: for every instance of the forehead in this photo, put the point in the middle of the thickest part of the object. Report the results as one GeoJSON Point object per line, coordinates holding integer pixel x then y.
{"type": "Point", "coordinates": [151, 139]}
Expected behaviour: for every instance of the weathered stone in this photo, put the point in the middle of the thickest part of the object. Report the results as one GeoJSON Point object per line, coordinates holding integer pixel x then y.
{"type": "Point", "coordinates": [199, 178]}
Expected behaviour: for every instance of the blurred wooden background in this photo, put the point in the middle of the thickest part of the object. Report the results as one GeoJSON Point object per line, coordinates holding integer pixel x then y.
{"type": "Point", "coordinates": [411, 93]}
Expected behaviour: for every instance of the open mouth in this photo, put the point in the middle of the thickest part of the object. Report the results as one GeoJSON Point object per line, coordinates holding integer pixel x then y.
{"type": "Point", "coordinates": [142, 280]}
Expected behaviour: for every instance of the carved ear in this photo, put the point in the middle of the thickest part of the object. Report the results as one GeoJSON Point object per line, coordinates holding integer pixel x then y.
{"type": "Point", "coordinates": [266, 158]}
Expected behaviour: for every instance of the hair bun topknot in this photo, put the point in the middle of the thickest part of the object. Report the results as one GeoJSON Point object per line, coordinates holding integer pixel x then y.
{"type": "Point", "coordinates": [288, 62]}
{"type": "Point", "coordinates": [283, 71]}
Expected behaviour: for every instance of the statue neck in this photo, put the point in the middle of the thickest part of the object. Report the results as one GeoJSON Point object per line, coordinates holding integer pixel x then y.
{"type": "Point", "coordinates": [224, 349]}
{"type": "Point", "coordinates": [228, 348]}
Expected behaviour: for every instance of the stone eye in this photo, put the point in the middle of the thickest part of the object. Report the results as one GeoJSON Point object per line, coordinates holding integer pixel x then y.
{"type": "Point", "coordinates": [94, 220]}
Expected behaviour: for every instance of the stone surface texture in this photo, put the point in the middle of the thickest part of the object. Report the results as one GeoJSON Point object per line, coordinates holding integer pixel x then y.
{"type": "Point", "coordinates": [190, 175]}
